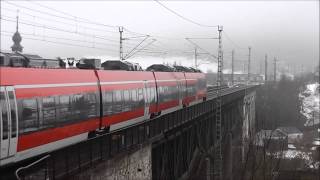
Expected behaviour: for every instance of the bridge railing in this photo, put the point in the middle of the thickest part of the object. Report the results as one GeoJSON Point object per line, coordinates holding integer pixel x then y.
{"type": "Point", "coordinates": [68, 161]}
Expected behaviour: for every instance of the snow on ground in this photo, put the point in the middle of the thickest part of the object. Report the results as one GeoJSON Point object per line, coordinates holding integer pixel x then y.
{"type": "Point", "coordinates": [294, 154]}
{"type": "Point", "coordinates": [310, 104]}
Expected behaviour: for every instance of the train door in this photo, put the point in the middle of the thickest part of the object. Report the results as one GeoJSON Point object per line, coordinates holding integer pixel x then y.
{"type": "Point", "coordinates": [8, 122]}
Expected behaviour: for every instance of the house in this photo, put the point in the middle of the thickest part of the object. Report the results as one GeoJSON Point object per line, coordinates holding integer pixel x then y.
{"type": "Point", "coordinates": [272, 140]}
{"type": "Point", "coordinates": [294, 134]}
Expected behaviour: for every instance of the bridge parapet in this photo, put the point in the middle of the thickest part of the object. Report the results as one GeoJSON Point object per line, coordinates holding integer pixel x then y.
{"type": "Point", "coordinates": [183, 132]}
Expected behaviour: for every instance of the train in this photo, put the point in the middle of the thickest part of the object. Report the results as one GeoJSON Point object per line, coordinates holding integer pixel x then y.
{"type": "Point", "coordinates": [45, 109]}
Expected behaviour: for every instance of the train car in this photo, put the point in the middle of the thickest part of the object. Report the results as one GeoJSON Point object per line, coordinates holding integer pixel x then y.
{"type": "Point", "coordinates": [196, 85]}
{"type": "Point", "coordinates": [168, 92]}
{"type": "Point", "coordinates": [128, 97]}
{"type": "Point", "coordinates": [42, 110]}
{"type": "Point", "coordinates": [45, 109]}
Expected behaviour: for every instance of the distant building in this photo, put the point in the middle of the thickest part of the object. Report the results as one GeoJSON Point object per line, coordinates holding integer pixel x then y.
{"type": "Point", "coordinates": [293, 134]}
{"type": "Point", "coordinates": [15, 59]}
{"type": "Point", "coordinates": [272, 140]}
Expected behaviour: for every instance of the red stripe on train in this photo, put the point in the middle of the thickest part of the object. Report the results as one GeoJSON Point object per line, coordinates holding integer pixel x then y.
{"type": "Point", "coordinates": [188, 100]}
{"type": "Point", "coordinates": [27, 141]}
{"type": "Point", "coordinates": [124, 116]}
{"type": "Point", "coordinates": [168, 105]}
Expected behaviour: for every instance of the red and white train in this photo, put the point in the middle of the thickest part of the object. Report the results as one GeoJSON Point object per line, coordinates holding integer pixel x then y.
{"type": "Point", "coordinates": [45, 109]}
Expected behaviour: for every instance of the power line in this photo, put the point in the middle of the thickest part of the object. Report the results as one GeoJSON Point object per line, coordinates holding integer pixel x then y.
{"type": "Point", "coordinates": [212, 55]}
{"type": "Point", "coordinates": [63, 17]}
{"type": "Point", "coordinates": [62, 12]}
{"type": "Point", "coordinates": [63, 43]}
{"type": "Point", "coordinates": [41, 26]}
{"type": "Point", "coordinates": [133, 49]}
{"type": "Point", "coordinates": [78, 21]}
{"type": "Point", "coordinates": [138, 50]}
{"type": "Point", "coordinates": [67, 39]}
{"type": "Point", "coordinates": [236, 45]}
{"type": "Point", "coordinates": [64, 23]}
{"type": "Point", "coordinates": [58, 29]}
{"type": "Point", "coordinates": [182, 17]}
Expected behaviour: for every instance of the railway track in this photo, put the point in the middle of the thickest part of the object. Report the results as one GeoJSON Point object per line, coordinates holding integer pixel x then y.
{"type": "Point", "coordinates": [225, 90]}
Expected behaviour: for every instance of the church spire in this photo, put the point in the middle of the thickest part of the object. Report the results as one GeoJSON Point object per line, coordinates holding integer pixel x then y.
{"type": "Point", "coordinates": [17, 27]}
{"type": "Point", "coordinates": [16, 38]}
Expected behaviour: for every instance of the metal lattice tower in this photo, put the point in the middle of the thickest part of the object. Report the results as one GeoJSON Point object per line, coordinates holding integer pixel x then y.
{"type": "Point", "coordinates": [121, 46]}
{"type": "Point", "coordinates": [217, 155]}
{"type": "Point", "coordinates": [249, 63]}
{"type": "Point", "coordinates": [232, 67]}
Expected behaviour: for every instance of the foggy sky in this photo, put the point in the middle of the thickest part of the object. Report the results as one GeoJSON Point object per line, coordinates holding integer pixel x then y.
{"type": "Point", "coordinates": [288, 30]}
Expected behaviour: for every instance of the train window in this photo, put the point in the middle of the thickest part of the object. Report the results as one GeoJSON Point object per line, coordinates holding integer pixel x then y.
{"type": "Point", "coordinates": [92, 104]}
{"type": "Point", "coordinates": [48, 112]}
{"type": "Point", "coordinates": [161, 94]}
{"type": "Point", "coordinates": [13, 114]}
{"type": "Point", "coordinates": [134, 98]}
{"type": "Point", "coordinates": [126, 101]}
{"type": "Point", "coordinates": [78, 107]}
{"type": "Point", "coordinates": [30, 116]}
{"type": "Point", "coordinates": [140, 97]}
{"type": "Point", "coordinates": [117, 102]}
{"type": "Point", "coordinates": [3, 107]}
{"type": "Point", "coordinates": [64, 108]}
{"type": "Point", "coordinates": [107, 105]}
{"type": "Point", "coordinates": [126, 95]}
{"type": "Point", "coordinates": [149, 95]}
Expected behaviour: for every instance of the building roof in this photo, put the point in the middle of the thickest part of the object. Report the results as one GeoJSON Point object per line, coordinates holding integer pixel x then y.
{"type": "Point", "coordinates": [273, 134]}
{"type": "Point", "coordinates": [31, 56]}
{"type": "Point", "coordinates": [289, 130]}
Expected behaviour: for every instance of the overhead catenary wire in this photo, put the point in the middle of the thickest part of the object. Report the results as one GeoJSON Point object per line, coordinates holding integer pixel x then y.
{"type": "Point", "coordinates": [35, 24]}
{"type": "Point", "coordinates": [133, 49]}
{"type": "Point", "coordinates": [72, 18]}
{"type": "Point", "coordinates": [195, 44]}
{"type": "Point", "coordinates": [89, 21]}
{"type": "Point", "coordinates": [65, 18]}
{"type": "Point", "coordinates": [138, 50]}
{"type": "Point", "coordinates": [60, 22]}
{"type": "Point", "coordinates": [235, 44]}
{"type": "Point", "coordinates": [58, 29]}
{"type": "Point", "coordinates": [78, 22]}
{"type": "Point", "coordinates": [183, 17]}
{"type": "Point", "coordinates": [64, 43]}
{"type": "Point", "coordinates": [59, 38]}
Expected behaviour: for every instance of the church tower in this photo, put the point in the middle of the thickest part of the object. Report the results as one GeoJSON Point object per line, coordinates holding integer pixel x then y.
{"type": "Point", "coordinates": [16, 38]}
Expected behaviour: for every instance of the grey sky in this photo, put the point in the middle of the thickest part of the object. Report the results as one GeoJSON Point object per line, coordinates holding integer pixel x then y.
{"type": "Point", "coordinates": [288, 30]}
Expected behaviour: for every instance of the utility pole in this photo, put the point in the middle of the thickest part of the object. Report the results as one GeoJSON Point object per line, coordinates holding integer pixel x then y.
{"type": "Point", "coordinates": [121, 39]}
{"type": "Point", "coordinates": [274, 69]}
{"type": "Point", "coordinates": [232, 67]}
{"type": "Point", "coordinates": [217, 155]}
{"type": "Point", "coordinates": [266, 68]}
{"type": "Point", "coordinates": [249, 61]}
{"type": "Point", "coordinates": [222, 80]}
{"type": "Point", "coordinates": [260, 67]}
{"type": "Point", "coordinates": [195, 58]}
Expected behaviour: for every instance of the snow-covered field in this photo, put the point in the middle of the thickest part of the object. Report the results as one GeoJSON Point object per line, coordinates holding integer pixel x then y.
{"type": "Point", "coordinates": [310, 104]}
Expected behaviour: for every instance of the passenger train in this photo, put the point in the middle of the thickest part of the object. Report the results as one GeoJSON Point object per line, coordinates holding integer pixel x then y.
{"type": "Point", "coordinates": [43, 109]}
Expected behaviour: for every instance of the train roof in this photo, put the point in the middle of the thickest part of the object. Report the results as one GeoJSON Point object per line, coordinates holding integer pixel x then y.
{"type": "Point", "coordinates": [16, 59]}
